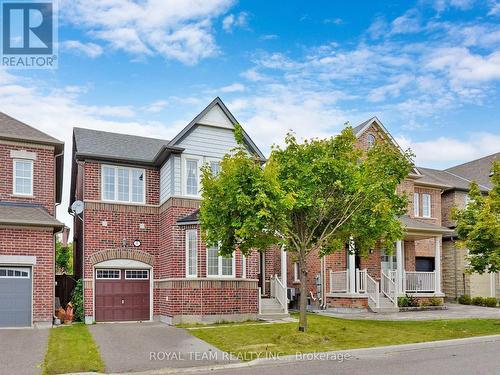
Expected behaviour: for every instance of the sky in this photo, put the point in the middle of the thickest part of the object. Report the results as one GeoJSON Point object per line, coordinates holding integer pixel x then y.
{"type": "Point", "coordinates": [428, 69]}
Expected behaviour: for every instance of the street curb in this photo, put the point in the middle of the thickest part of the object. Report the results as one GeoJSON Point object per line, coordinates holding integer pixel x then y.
{"type": "Point", "coordinates": [354, 353]}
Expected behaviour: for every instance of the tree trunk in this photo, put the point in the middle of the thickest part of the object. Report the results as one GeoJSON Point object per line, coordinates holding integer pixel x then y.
{"type": "Point", "coordinates": [303, 291]}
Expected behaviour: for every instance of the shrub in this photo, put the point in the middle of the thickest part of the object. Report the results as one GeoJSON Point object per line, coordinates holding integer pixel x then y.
{"type": "Point", "coordinates": [408, 301]}
{"type": "Point", "coordinates": [435, 301]}
{"type": "Point", "coordinates": [464, 299]}
{"type": "Point", "coordinates": [403, 302]}
{"type": "Point", "coordinates": [477, 301]}
{"type": "Point", "coordinates": [490, 302]}
{"type": "Point", "coordinates": [77, 301]}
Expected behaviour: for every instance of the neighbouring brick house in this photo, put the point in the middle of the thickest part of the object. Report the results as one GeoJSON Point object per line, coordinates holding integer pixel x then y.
{"type": "Point", "coordinates": [138, 244]}
{"type": "Point", "coordinates": [344, 280]}
{"type": "Point", "coordinates": [31, 172]}
{"type": "Point", "coordinates": [455, 182]}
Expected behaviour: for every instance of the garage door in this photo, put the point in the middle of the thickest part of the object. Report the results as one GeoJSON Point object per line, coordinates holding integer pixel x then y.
{"type": "Point", "coordinates": [15, 297]}
{"type": "Point", "coordinates": [121, 295]}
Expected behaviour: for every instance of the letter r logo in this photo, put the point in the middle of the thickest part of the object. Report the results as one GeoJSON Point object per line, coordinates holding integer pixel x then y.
{"type": "Point", "coordinates": [27, 28]}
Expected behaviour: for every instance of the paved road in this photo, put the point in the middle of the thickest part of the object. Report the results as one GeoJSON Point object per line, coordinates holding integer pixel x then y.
{"type": "Point", "coordinates": [464, 358]}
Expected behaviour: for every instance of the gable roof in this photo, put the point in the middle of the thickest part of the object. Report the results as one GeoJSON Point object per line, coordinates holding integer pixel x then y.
{"type": "Point", "coordinates": [365, 125]}
{"type": "Point", "coordinates": [117, 147]}
{"type": "Point", "coordinates": [15, 130]}
{"type": "Point", "coordinates": [478, 170]}
{"type": "Point", "coordinates": [216, 102]}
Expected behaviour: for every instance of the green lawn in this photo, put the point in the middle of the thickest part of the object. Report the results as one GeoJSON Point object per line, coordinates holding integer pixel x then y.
{"type": "Point", "coordinates": [72, 349]}
{"type": "Point", "coordinates": [328, 334]}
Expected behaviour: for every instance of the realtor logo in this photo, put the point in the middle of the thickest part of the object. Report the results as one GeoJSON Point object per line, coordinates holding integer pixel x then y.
{"type": "Point", "coordinates": [28, 34]}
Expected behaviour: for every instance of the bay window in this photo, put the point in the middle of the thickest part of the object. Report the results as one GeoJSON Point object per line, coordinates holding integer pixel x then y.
{"type": "Point", "coordinates": [123, 184]}
{"type": "Point", "coordinates": [426, 205]}
{"type": "Point", "coordinates": [191, 253]}
{"type": "Point", "coordinates": [217, 265]}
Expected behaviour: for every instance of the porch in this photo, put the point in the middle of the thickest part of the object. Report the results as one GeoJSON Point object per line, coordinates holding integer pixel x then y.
{"type": "Point", "coordinates": [378, 287]}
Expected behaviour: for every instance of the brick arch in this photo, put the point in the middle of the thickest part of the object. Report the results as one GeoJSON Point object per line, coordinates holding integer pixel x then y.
{"type": "Point", "coordinates": [121, 253]}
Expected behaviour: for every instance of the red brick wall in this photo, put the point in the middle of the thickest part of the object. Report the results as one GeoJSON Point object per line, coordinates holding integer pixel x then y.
{"type": "Point", "coordinates": [43, 176]}
{"type": "Point", "coordinates": [39, 243]}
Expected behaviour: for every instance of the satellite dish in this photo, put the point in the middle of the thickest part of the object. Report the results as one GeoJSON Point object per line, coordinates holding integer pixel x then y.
{"type": "Point", "coordinates": [77, 207]}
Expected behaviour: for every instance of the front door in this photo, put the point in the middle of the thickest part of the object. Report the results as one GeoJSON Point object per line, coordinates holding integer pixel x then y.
{"type": "Point", "coordinates": [388, 262]}
{"type": "Point", "coordinates": [262, 273]}
{"type": "Point", "coordinates": [122, 295]}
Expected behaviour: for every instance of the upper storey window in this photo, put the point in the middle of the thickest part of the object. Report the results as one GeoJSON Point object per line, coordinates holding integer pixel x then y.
{"type": "Point", "coordinates": [123, 184]}
{"type": "Point", "coordinates": [215, 167]}
{"type": "Point", "coordinates": [23, 177]}
{"type": "Point", "coordinates": [370, 139]}
{"type": "Point", "coordinates": [192, 176]}
{"type": "Point", "coordinates": [426, 205]}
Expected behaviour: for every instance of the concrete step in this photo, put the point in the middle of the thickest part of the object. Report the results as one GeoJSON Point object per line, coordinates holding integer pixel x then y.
{"type": "Point", "coordinates": [272, 316]}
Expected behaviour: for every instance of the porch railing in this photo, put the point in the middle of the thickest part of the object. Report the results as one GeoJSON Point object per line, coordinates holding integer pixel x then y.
{"type": "Point", "coordinates": [361, 280]}
{"type": "Point", "coordinates": [373, 291]}
{"type": "Point", "coordinates": [388, 287]}
{"type": "Point", "coordinates": [278, 291]}
{"type": "Point", "coordinates": [338, 281]}
{"type": "Point", "coordinates": [419, 282]}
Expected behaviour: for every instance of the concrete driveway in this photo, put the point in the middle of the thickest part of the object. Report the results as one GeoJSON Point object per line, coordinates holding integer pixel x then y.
{"type": "Point", "coordinates": [130, 347]}
{"type": "Point", "coordinates": [22, 350]}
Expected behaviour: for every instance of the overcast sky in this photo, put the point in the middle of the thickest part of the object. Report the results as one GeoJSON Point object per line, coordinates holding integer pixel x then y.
{"type": "Point", "coordinates": [429, 70]}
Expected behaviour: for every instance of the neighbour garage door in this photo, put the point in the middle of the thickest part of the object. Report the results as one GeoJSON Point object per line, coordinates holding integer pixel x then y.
{"type": "Point", "coordinates": [15, 297]}
{"type": "Point", "coordinates": [121, 295]}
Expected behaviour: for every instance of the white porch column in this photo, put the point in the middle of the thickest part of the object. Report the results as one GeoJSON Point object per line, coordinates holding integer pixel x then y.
{"type": "Point", "coordinates": [437, 263]}
{"type": "Point", "coordinates": [283, 266]}
{"type": "Point", "coordinates": [399, 267]}
{"type": "Point", "coordinates": [351, 268]}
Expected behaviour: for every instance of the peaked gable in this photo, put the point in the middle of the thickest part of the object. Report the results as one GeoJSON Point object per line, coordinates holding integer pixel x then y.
{"type": "Point", "coordinates": [374, 123]}
{"type": "Point", "coordinates": [216, 114]}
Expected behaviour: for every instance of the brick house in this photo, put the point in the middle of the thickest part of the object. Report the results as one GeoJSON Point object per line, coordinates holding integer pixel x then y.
{"type": "Point", "coordinates": [455, 183]}
{"type": "Point", "coordinates": [31, 172]}
{"type": "Point", "coordinates": [138, 245]}
{"type": "Point", "coordinates": [344, 280]}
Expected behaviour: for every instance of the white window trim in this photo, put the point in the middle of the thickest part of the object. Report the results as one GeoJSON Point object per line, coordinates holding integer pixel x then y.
{"type": "Point", "coordinates": [14, 161]}
{"type": "Point", "coordinates": [243, 266]}
{"type": "Point", "coordinates": [187, 252]}
{"type": "Point", "coordinates": [28, 270]}
{"type": "Point", "coordinates": [219, 267]}
{"type": "Point", "coordinates": [184, 159]}
{"type": "Point", "coordinates": [296, 278]}
{"type": "Point", "coordinates": [108, 278]}
{"type": "Point", "coordinates": [116, 167]}
{"type": "Point", "coordinates": [416, 204]}
{"type": "Point", "coordinates": [136, 278]}
{"type": "Point", "coordinates": [210, 160]}
{"type": "Point", "coordinates": [423, 206]}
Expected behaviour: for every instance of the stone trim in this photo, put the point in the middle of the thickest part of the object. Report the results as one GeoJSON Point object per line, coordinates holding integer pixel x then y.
{"type": "Point", "coordinates": [121, 207]}
{"type": "Point", "coordinates": [123, 253]}
{"type": "Point", "coordinates": [26, 144]}
{"type": "Point", "coordinates": [180, 202]}
{"type": "Point", "coordinates": [207, 284]}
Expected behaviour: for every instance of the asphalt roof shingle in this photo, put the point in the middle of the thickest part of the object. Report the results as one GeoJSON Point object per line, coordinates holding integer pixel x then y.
{"type": "Point", "coordinates": [95, 143]}
{"type": "Point", "coordinates": [13, 129]}
{"type": "Point", "coordinates": [25, 214]}
{"type": "Point", "coordinates": [477, 170]}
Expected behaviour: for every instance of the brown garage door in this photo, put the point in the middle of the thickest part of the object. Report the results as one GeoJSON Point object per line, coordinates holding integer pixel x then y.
{"type": "Point", "coordinates": [121, 295]}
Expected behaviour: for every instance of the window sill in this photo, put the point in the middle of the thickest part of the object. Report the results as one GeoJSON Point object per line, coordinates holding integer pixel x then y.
{"type": "Point", "coordinates": [29, 196]}
{"type": "Point", "coordinates": [425, 217]}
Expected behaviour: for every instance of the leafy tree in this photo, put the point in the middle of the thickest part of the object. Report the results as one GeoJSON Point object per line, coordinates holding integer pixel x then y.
{"type": "Point", "coordinates": [311, 197]}
{"type": "Point", "coordinates": [478, 226]}
{"type": "Point", "coordinates": [64, 258]}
